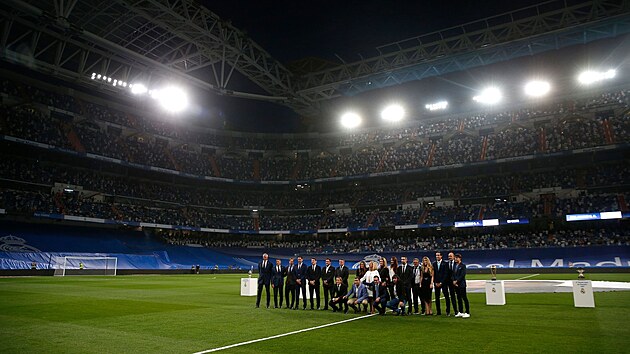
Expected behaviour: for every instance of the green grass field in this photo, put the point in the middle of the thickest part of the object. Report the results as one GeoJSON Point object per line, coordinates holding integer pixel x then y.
{"type": "Point", "coordinates": [190, 313]}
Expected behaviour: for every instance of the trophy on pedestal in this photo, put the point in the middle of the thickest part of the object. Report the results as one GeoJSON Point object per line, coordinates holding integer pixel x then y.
{"type": "Point", "coordinates": [580, 271]}
{"type": "Point", "coordinates": [493, 272]}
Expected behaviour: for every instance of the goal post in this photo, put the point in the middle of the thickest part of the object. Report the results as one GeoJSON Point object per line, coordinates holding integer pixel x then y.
{"type": "Point", "coordinates": [85, 265]}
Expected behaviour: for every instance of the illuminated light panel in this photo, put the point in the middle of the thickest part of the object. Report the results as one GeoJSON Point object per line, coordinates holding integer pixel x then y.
{"type": "Point", "coordinates": [351, 120]}
{"type": "Point", "coordinates": [393, 113]}
{"type": "Point", "coordinates": [138, 89]}
{"type": "Point", "coordinates": [537, 88]}
{"type": "Point", "coordinates": [491, 95]}
{"type": "Point", "coordinates": [171, 98]}
{"type": "Point", "coordinates": [590, 77]}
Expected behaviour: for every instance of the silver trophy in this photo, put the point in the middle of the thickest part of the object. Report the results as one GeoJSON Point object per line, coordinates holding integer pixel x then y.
{"type": "Point", "coordinates": [580, 271]}
{"type": "Point", "coordinates": [251, 271]}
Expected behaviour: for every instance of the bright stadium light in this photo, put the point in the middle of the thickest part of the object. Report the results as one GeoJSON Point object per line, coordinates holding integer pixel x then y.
{"type": "Point", "coordinates": [171, 98]}
{"type": "Point", "coordinates": [590, 77]}
{"type": "Point", "coordinates": [138, 89]}
{"type": "Point", "coordinates": [393, 113]}
{"type": "Point", "coordinates": [537, 88]}
{"type": "Point", "coordinates": [350, 120]}
{"type": "Point", "coordinates": [491, 95]}
{"type": "Point", "coordinates": [436, 106]}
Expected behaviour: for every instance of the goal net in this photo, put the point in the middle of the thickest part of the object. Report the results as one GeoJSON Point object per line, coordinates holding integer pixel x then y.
{"type": "Point", "coordinates": [76, 265]}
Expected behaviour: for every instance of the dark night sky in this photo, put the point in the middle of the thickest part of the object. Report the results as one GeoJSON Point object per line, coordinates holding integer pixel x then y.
{"type": "Point", "coordinates": [291, 30]}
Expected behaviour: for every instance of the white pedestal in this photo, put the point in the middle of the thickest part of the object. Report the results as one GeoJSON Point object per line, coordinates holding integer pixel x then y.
{"type": "Point", "coordinates": [583, 293]}
{"type": "Point", "coordinates": [495, 292]}
{"type": "Point", "coordinates": [308, 292]}
{"type": "Point", "coordinates": [249, 286]}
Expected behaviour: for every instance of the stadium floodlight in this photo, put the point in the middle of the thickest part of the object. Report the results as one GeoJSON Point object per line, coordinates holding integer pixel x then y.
{"type": "Point", "coordinates": [98, 76]}
{"type": "Point", "coordinates": [171, 98]}
{"type": "Point", "coordinates": [350, 120]}
{"type": "Point", "coordinates": [436, 106]}
{"type": "Point", "coordinates": [590, 77]}
{"type": "Point", "coordinates": [490, 95]}
{"type": "Point", "coordinates": [537, 88]}
{"type": "Point", "coordinates": [393, 113]}
{"type": "Point", "coordinates": [138, 89]}
{"type": "Point", "coordinates": [109, 79]}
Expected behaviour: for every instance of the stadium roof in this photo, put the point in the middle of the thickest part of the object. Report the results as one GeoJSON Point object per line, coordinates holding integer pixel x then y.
{"type": "Point", "coordinates": [158, 40]}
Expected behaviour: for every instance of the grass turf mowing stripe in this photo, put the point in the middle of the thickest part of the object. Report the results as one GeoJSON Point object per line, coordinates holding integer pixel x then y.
{"type": "Point", "coordinates": [283, 334]}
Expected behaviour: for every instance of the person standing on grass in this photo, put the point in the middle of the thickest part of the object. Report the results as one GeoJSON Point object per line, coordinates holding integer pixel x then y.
{"type": "Point", "coordinates": [459, 281]}
{"type": "Point", "coordinates": [277, 282]}
{"type": "Point", "coordinates": [440, 271]}
{"type": "Point", "coordinates": [415, 287]}
{"type": "Point", "coordinates": [343, 272]}
{"type": "Point", "coordinates": [300, 281]}
{"type": "Point", "coordinates": [405, 277]}
{"type": "Point", "coordinates": [368, 281]}
{"type": "Point", "coordinates": [448, 283]}
{"type": "Point", "coordinates": [393, 269]}
{"type": "Point", "coordinates": [265, 268]}
{"type": "Point", "coordinates": [383, 271]}
{"type": "Point", "coordinates": [289, 286]}
{"type": "Point", "coordinates": [313, 275]}
{"type": "Point", "coordinates": [426, 285]}
{"type": "Point", "coordinates": [361, 270]}
{"type": "Point", "coordinates": [328, 279]}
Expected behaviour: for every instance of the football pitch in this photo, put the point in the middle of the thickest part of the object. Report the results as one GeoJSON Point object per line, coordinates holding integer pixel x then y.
{"type": "Point", "coordinates": [194, 313]}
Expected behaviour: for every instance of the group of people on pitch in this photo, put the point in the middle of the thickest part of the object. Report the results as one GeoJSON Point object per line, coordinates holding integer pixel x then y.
{"type": "Point", "coordinates": [375, 286]}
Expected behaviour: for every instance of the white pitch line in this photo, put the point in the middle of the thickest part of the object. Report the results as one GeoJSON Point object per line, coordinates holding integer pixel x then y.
{"type": "Point", "coordinates": [528, 276]}
{"type": "Point", "coordinates": [283, 334]}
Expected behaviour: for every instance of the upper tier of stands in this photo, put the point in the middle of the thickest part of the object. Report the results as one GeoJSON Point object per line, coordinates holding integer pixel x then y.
{"type": "Point", "coordinates": [83, 126]}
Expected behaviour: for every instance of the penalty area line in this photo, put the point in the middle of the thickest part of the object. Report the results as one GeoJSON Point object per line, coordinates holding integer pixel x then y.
{"type": "Point", "coordinates": [283, 334]}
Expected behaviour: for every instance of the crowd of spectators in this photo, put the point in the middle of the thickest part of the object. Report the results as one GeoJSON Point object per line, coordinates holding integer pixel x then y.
{"type": "Point", "coordinates": [82, 204]}
{"type": "Point", "coordinates": [373, 151]}
{"type": "Point", "coordinates": [469, 240]}
{"type": "Point", "coordinates": [490, 187]}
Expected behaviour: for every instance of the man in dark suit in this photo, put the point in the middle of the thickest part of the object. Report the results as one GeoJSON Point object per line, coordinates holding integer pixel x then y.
{"type": "Point", "coordinates": [397, 294]}
{"type": "Point", "coordinates": [328, 279]}
{"type": "Point", "coordinates": [343, 272]}
{"type": "Point", "coordinates": [440, 271]}
{"type": "Point", "coordinates": [313, 275]}
{"type": "Point", "coordinates": [448, 283]}
{"type": "Point", "coordinates": [405, 277]}
{"type": "Point", "coordinates": [381, 295]}
{"type": "Point", "coordinates": [300, 282]}
{"type": "Point", "coordinates": [277, 282]}
{"type": "Point", "coordinates": [337, 294]}
{"type": "Point", "coordinates": [459, 281]}
{"type": "Point", "coordinates": [289, 286]}
{"type": "Point", "coordinates": [264, 278]}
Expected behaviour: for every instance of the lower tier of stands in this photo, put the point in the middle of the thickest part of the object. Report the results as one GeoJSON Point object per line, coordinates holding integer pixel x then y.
{"type": "Point", "coordinates": [24, 245]}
